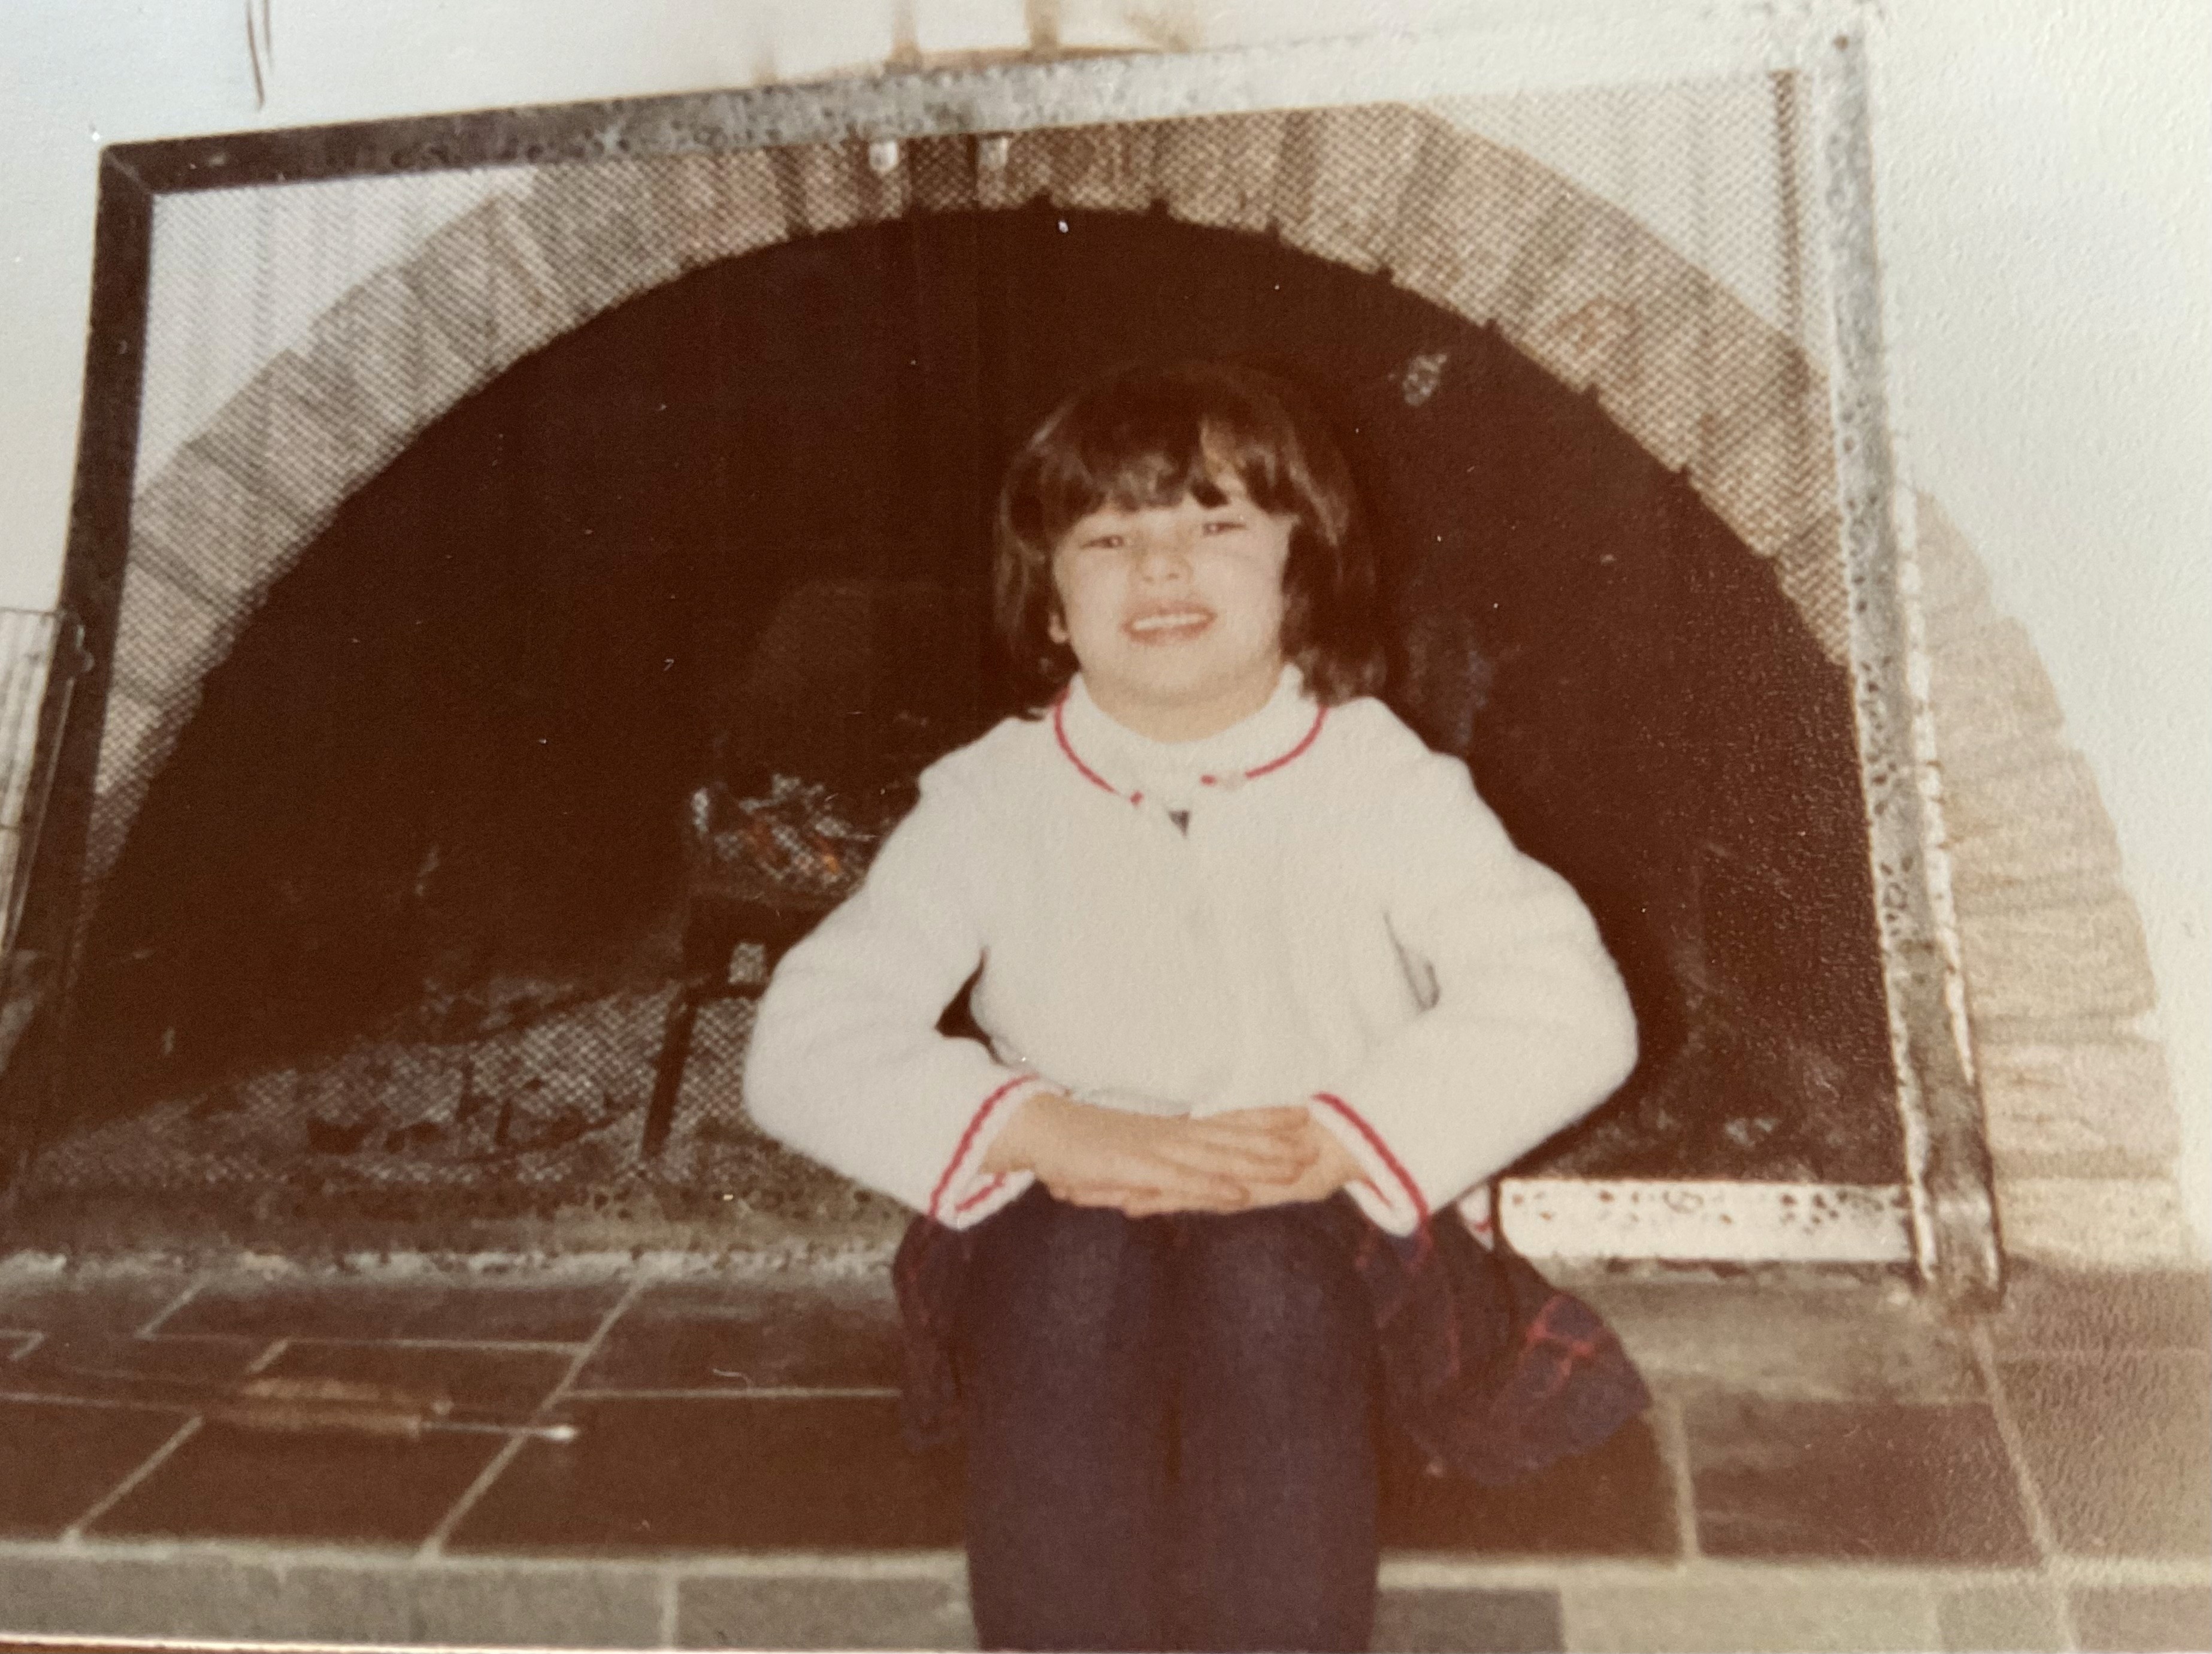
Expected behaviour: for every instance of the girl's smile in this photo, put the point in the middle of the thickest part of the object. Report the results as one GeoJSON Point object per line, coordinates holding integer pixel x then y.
{"type": "Point", "coordinates": [1175, 612]}
{"type": "Point", "coordinates": [1172, 623]}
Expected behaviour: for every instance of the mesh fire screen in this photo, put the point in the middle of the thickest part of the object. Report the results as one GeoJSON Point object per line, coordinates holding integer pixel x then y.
{"type": "Point", "coordinates": [544, 584]}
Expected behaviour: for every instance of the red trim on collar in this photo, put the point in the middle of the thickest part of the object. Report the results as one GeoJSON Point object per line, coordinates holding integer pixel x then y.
{"type": "Point", "coordinates": [1320, 717]}
{"type": "Point", "coordinates": [1060, 734]}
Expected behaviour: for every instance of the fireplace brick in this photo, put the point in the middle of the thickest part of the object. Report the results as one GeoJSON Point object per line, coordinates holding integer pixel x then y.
{"type": "Point", "coordinates": [209, 513]}
{"type": "Point", "coordinates": [284, 432]}
{"type": "Point", "coordinates": [1954, 593]}
{"type": "Point", "coordinates": [1550, 246]}
{"type": "Point", "coordinates": [718, 206]}
{"type": "Point", "coordinates": [2086, 1107]}
{"type": "Point", "coordinates": [1461, 241]}
{"type": "Point", "coordinates": [1584, 325]}
{"type": "Point", "coordinates": [614, 233]}
{"type": "Point", "coordinates": [202, 512]}
{"type": "Point", "coordinates": [1650, 383]}
{"type": "Point", "coordinates": [2017, 831]}
{"type": "Point", "coordinates": [2053, 964]}
{"type": "Point", "coordinates": [1995, 707]}
{"type": "Point", "coordinates": [1222, 171]}
{"type": "Point", "coordinates": [1025, 174]}
{"type": "Point", "coordinates": [830, 187]}
{"type": "Point", "coordinates": [941, 173]}
{"type": "Point", "coordinates": [350, 397]}
{"type": "Point", "coordinates": [167, 633]}
{"type": "Point", "coordinates": [138, 733]}
{"type": "Point", "coordinates": [2103, 1223]}
{"type": "Point", "coordinates": [1811, 578]}
{"type": "Point", "coordinates": [1102, 168]}
{"type": "Point", "coordinates": [1767, 471]}
{"type": "Point", "coordinates": [490, 285]}
{"type": "Point", "coordinates": [402, 366]}
{"type": "Point", "coordinates": [1341, 179]}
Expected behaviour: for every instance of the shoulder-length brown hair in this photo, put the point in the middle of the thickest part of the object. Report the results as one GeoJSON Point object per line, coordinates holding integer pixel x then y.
{"type": "Point", "coordinates": [1148, 436]}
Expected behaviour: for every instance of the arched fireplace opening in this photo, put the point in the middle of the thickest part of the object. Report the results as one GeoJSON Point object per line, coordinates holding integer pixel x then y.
{"type": "Point", "coordinates": [437, 796]}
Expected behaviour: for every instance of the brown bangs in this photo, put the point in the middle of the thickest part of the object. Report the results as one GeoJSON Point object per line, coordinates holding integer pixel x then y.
{"type": "Point", "coordinates": [1146, 437]}
{"type": "Point", "coordinates": [1163, 438]}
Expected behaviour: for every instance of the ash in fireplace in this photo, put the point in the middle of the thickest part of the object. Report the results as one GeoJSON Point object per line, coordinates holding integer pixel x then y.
{"type": "Point", "coordinates": [552, 1099]}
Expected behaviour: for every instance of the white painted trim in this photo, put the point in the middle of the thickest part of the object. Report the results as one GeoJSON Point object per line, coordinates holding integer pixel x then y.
{"type": "Point", "coordinates": [1706, 1222]}
{"type": "Point", "coordinates": [1506, 47]}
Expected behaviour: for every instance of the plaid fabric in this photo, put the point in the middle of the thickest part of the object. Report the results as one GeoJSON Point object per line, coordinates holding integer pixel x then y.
{"type": "Point", "coordinates": [1493, 1373]}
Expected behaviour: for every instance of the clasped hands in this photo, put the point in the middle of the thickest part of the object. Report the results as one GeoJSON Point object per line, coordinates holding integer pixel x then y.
{"type": "Point", "coordinates": [1147, 1166]}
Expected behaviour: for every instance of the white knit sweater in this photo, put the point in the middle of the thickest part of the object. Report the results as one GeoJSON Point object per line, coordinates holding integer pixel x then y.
{"type": "Point", "coordinates": [1342, 922]}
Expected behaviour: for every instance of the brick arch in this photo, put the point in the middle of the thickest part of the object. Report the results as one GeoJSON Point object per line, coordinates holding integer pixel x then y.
{"type": "Point", "coordinates": [1680, 364]}
{"type": "Point", "coordinates": [1686, 368]}
{"type": "Point", "coordinates": [2052, 947]}
{"type": "Point", "coordinates": [2078, 1108]}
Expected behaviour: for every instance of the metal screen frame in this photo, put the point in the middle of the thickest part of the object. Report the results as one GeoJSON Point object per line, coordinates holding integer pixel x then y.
{"type": "Point", "coordinates": [1941, 1215]}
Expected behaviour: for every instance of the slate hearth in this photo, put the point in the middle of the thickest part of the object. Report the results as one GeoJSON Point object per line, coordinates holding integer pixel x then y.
{"type": "Point", "coordinates": [2038, 1480]}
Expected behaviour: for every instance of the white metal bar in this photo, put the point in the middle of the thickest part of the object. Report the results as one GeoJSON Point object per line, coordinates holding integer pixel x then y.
{"type": "Point", "coordinates": [1706, 1222]}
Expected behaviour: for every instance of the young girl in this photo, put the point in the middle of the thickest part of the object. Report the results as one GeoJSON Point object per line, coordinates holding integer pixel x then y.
{"type": "Point", "coordinates": [1241, 946]}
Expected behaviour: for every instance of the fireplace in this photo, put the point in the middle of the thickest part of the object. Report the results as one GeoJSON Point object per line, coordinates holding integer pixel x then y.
{"type": "Point", "coordinates": [448, 697]}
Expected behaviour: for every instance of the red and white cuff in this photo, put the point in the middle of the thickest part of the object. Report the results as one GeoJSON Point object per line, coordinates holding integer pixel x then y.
{"type": "Point", "coordinates": [1478, 1210]}
{"type": "Point", "coordinates": [965, 1193]}
{"type": "Point", "coordinates": [1388, 1194]}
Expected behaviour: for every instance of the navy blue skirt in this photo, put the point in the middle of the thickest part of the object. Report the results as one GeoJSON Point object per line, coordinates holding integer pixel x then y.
{"type": "Point", "coordinates": [1493, 1372]}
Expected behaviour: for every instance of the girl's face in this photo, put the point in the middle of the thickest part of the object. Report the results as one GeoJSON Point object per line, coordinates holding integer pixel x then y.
{"type": "Point", "coordinates": [1175, 612]}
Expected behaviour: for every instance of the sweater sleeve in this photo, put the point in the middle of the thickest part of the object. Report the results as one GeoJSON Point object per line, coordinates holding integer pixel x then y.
{"type": "Point", "coordinates": [1526, 1030]}
{"type": "Point", "coordinates": [845, 1064]}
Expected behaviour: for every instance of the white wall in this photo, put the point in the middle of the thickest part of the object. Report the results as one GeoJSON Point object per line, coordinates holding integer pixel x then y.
{"type": "Point", "coordinates": [2049, 199]}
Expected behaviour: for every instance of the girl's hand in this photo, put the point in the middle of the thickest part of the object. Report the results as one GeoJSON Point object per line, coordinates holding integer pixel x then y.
{"type": "Point", "coordinates": [1329, 1169]}
{"type": "Point", "coordinates": [1331, 1166]}
{"type": "Point", "coordinates": [1145, 1164]}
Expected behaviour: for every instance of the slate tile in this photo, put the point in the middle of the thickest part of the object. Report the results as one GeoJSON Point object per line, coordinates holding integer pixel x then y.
{"type": "Point", "coordinates": [704, 1335]}
{"type": "Point", "coordinates": [1456, 1622]}
{"type": "Point", "coordinates": [320, 1486]}
{"type": "Point", "coordinates": [1854, 1341]}
{"type": "Point", "coordinates": [822, 1613]}
{"type": "Point", "coordinates": [2001, 1619]}
{"type": "Point", "coordinates": [2144, 1617]}
{"type": "Point", "coordinates": [1617, 1501]}
{"type": "Point", "coordinates": [100, 1364]}
{"type": "Point", "coordinates": [88, 1304]}
{"type": "Point", "coordinates": [57, 1461]}
{"type": "Point", "coordinates": [489, 1311]}
{"type": "Point", "coordinates": [487, 1605]}
{"type": "Point", "coordinates": [1749, 1616]}
{"type": "Point", "coordinates": [212, 1597]}
{"type": "Point", "coordinates": [504, 1384]}
{"type": "Point", "coordinates": [721, 1475]}
{"type": "Point", "coordinates": [2051, 1310]}
{"type": "Point", "coordinates": [2120, 1447]}
{"type": "Point", "coordinates": [1854, 1481]}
